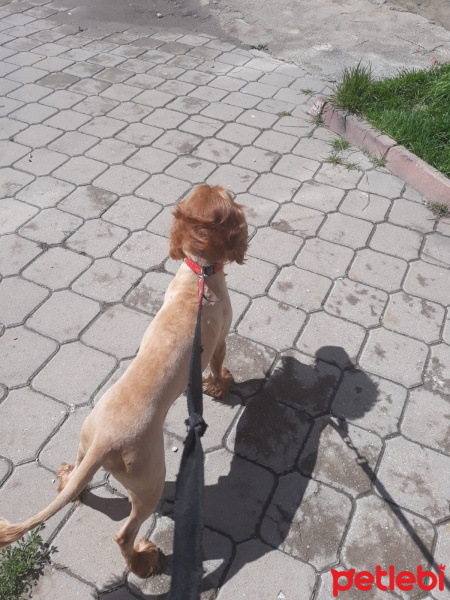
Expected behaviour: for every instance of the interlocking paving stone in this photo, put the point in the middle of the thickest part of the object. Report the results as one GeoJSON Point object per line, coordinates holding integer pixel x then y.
{"type": "Point", "coordinates": [251, 278]}
{"type": "Point", "coordinates": [165, 118]}
{"type": "Point", "coordinates": [365, 206]}
{"type": "Point", "coordinates": [191, 168]}
{"type": "Point", "coordinates": [73, 143]}
{"type": "Point", "coordinates": [275, 187]}
{"type": "Point", "coordinates": [10, 152]}
{"type": "Point", "coordinates": [356, 302]}
{"type": "Point", "coordinates": [163, 189]}
{"type": "Point", "coordinates": [120, 179]}
{"type": "Point", "coordinates": [218, 414]}
{"type": "Point", "coordinates": [103, 127]}
{"type": "Point", "coordinates": [51, 226]}
{"type": "Point", "coordinates": [298, 220]}
{"type": "Point", "coordinates": [411, 214]}
{"type": "Point", "coordinates": [11, 181]}
{"type": "Point", "coordinates": [437, 374]}
{"type": "Point", "coordinates": [63, 316]}
{"type": "Point", "coordinates": [56, 268]}
{"type": "Point", "coordinates": [67, 120]}
{"type": "Point", "coordinates": [328, 458]}
{"type": "Point", "coordinates": [370, 402]}
{"type": "Point", "coordinates": [84, 370]}
{"type": "Point", "coordinates": [300, 288]}
{"type": "Point", "coordinates": [216, 150]}
{"type": "Point", "coordinates": [331, 339]}
{"type": "Point", "coordinates": [377, 269]}
{"type": "Point", "coordinates": [345, 230]}
{"type": "Point", "coordinates": [96, 238]}
{"type": "Point", "coordinates": [87, 201]}
{"type": "Point", "coordinates": [223, 112]}
{"type": "Point", "coordinates": [15, 214]}
{"type": "Point", "coordinates": [235, 493]}
{"type": "Point", "coordinates": [272, 323]}
{"type": "Point", "coordinates": [404, 473]}
{"type": "Point", "coordinates": [162, 223]}
{"type": "Point", "coordinates": [414, 316]}
{"type": "Point", "coordinates": [378, 537]}
{"type": "Point", "coordinates": [62, 99]}
{"type": "Point", "coordinates": [394, 356]}
{"type": "Point", "coordinates": [80, 170]}
{"type": "Point", "coordinates": [382, 184]}
{"type": "Point", "coordinates": [428, 281]}
{"type": "Point", "coordinates": [118, 331]}
{"type": "Point", "coordinates": [96, 106]}
{"type": "Point", "coordinates": [151, 160]}
{"type": "Point", "coordinates": [16, 253]}
{"type": "Point", "coordinates": [306, 520]}
{"type": "Point", "coordinates": [267, 238]}
{"type": "Point", "coordinates": [107, 280]}
{"type": "Point", "coordinates": [55, 583]}
{"type": "Point", "coordinates": [258, 211]}
{"type": "Point", "coordinates": [131, 212]}
{"type": "Point", "coordinates": [143, 249]}
{"type": "Point", "coordinates": [27, 491]}
{"type": "Point", "coordinates": [436, 250]}
{"type": "Point", "coordinates": [38, 136]}
{"type": "Point", "coordinates": [397, 241]}
{"type": "Point", "coordinates": [130, 112]}
{"type": "Point", "coordinates": [426, 419]}
{"type": "Point", "coordinates": [139, 134]}
{"type": "Point", "coordinates": [269, 433]}
{"type": "Point", "coordinates": [324, 257]}
{"type": "Point", "coordinates": [252, 561]}
{"type": "Point", "coordinates": [256, 159]}
{"type": "Point", "coordinates": [33, 113]}
{"type": "Point", "coordinates": [338, 176]}
{"type": "Point", "coordinates": [27, 420]}
{"type": "Point", "coordinates": [41, 161]}
{"type": "Point", "coordinates": [295, 167]}
{"type": "Point", "coordinates": [319, 196]}
{"type": "Point", "coordinates": [27, 297]}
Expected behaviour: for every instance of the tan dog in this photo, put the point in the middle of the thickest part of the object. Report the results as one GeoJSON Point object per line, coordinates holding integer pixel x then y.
{"type": "Point", "coordinates": [124, 432]}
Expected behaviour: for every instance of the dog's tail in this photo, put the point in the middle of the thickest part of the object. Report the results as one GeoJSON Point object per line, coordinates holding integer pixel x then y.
{"type": "Point", "coordinates": [78, 480]}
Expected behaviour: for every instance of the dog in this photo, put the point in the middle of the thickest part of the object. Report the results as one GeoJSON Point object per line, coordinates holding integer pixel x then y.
{"type": "Point", "coordinates": [124, 432]}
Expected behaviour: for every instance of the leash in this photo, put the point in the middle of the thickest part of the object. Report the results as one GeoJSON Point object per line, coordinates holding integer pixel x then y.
{"type": "Point", "coordinates": [187, 559]}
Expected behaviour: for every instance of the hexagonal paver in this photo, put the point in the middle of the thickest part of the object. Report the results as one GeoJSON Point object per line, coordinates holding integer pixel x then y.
{"type": "Point", "coordinates": [106, 280]}
{"type": "Point", "coordinates": [377, 536]}
{"type": "Point", "coordinates": [216, 150]}
{"type": "Point", "coordinates": [96, 238]}
{"type": "Point", "coordinates": [10, 152]}
{"type": "Point", "coordinates": [148, 295]}
{"type": "Point", "coordinates": [300, 288]}
{"type": "Point", "coordinates": [356, 302]}
{"type": "Point", "coordinates": [405, 475]}
{"type": "Point", "coordinates": [345, 230]}
{"type": "Point", "coordinates": [365, 206]}
{"type": "Point", "coordinates": [377, 269]}
{"type": "Point", "coordinates": [51, 226]}
{"type": "Point", "coordinates": [88, 201]}
{"type": "Point", "coordinates": [330, 458]}
{"type": "Point", "coordinates": [251, 278]}
{"type": "Point", "coordinates": [190, 168]}
{"type": "Point", "coordinates": [319, 196]}
{"type": "Point", "coordinates": [151, 160]}
{"type": "Point", "coordinates": [414, 316]}
{"type": "Point", "coordinates": [27, 296]}
{"type": "Point", "coordinates": [80, 170]}
{"type": "Point", "coordinates": [331, 339]}
{"type": "Point", "coordinates": [272, 323]}
{"type": "Point", "coordinates": [256, 159]}
{"type": "Point", "coordinates": [268, 238]}
{"type": "Point", "coordinates": [55, 583]}
{"type": "Point", "coordinates": [23, 353]}
{"type": "Point", "coordinates": [306, 520]}
{"type": "Point", "coordinates": [426, 420]}
{"type": "Point", "coordinates": [63, 316]}
{"type": "Point", "coordinates": [11, 181]}
{"type": "Point", "coordinates": [297, 220]}
{"type": "Point", "coordinates": [250, 570]}
{"type": "Point", "coordinates": [248, 362]}
{"type": "Point", "coordinates": [428, 281]}
{"type": "Point", "coordinates": [131, 212]}
{"type": "Point", "coordinates": [383, 184]}
{"type": "Point", "coordinates": [370, 402]}
{"type": "Point", "coordinates": [27, 419]}
{"type": "Point", "coordinates": [74, 374]}
{"type": "Point", "coordinates": [14, 214]}
{"type": "Point", "coordinates": [411, 214]}
{"type": "Point", "coordinates": [111, 151]}
{"type": "Point", "coordinates": [163, 189]}
{"type": "Point", "coordinates": [235, 493]}
{"type": "Point", "coordinates": [397, 241]}
{"type": "Point", "coordinates": [258, 211]}
{"type": "Point", "coordinates": [437, 250]}
{"type": "Point", "coordinates": [236, 179]}
{"type": "Point", "coordinates": [324, 257]}
{"type": "Point", "coordinates": [338, 176]}
{"type": "Point", "coordinates": [45, 192]}
{"type": "Point", "coordinates": [269, 433]}
{"type": "Point", "coordinates": [144, 250]}
{"type": "Point", "coordinates": [118, 331]}
{"type": "Point", "coordinates": [15, 253]}
{"type": "Point", "coordinates": [437, 373]}
{"type": "Point", "coordinates": [394, 356]}
{"type": "Point", "coordinates": [57, 268]}
{"type": "Point", "coordinates": [275, 187]}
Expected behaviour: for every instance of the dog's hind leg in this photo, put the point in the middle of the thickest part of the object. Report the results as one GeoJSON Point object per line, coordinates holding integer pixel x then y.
{"type": "Point", "coordinates": [142, 559]}
{"type": "Point", "coordinates": [218, 383]}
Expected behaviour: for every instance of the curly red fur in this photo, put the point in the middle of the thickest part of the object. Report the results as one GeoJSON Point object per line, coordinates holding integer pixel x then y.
{"type": "Point", "coordinates": [209, 224]}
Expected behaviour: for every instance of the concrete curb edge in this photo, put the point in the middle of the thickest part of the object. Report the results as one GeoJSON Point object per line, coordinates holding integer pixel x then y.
{"type": "Point", "coordinates": [401, 162]}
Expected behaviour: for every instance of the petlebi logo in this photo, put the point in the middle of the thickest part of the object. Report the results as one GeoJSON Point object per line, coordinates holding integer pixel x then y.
{"type": "Point", "coordinates": [404, 580]}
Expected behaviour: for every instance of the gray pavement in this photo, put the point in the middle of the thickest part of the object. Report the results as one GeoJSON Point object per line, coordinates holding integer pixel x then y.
{"type": "Point", "coordinates": [333, 449]}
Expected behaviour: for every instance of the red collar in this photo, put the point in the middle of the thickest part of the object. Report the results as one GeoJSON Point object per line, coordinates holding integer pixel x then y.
{"type": "Point", "coordinates": [206, 271]}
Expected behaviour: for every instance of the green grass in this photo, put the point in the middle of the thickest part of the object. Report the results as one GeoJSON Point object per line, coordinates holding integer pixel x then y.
{"type": "Point", "coordinates": [413, 108]}
{"type": "Point", "coordinates": [20, 565]}
{"type": "Point", "coordinates": [439, 210]}
{"type": "Point", "coordinates": [259, 47]}
{"type": "Point", "coordinates": [340, 144]}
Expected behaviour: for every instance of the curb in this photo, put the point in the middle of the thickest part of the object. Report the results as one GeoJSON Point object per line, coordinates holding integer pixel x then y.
{"type": "Point", "coordinates": [424, 178]}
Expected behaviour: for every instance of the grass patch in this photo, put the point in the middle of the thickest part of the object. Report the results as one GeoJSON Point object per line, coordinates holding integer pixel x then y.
{"type": "Point", "coordinates": [340, 144]}
{"type": "Point", "coordinates": [441, 211]}
{"type": "Point", "coordinates": [21, 564]}
{"type": "Point", "coordinates": [285, 113]}
{"type": "Point", "coordinates": [413, 108]}
{"type": "Point", "coordinates": [259, 47]}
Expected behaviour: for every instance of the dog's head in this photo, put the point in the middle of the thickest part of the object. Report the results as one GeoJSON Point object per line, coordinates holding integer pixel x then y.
{"type": "Point", "coordinates": [209, 224]}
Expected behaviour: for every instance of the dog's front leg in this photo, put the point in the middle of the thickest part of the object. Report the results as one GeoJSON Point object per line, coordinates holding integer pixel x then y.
{"type": "Point", "coordinates": [218, 383]}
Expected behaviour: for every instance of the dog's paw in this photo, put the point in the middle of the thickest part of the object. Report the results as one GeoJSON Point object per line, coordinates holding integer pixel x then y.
{"type": "Point", "coordinates": [218, 388]}
{"type": "Point", "coordinates": [145, 560]}
{"type": "Point", "coordinates": [63, 474]}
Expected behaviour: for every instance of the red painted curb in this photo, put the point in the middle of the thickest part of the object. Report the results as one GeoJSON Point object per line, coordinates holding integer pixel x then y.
{"type": "Point", "coordinates": [401, 162]}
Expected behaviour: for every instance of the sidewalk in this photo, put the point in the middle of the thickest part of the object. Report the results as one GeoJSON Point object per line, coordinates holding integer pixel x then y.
{"type": "Point", "coordinates": [334, 449]}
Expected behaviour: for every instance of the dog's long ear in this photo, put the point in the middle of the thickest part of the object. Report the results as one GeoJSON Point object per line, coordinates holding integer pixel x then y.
{"type": "Point", "coordinates": [177, 233]}
{"type": "Point", "coordinates": [238, 238]}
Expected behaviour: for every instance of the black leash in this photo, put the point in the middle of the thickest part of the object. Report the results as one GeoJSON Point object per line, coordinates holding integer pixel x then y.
{"type": "Point", "coordinates": [187, 559]}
